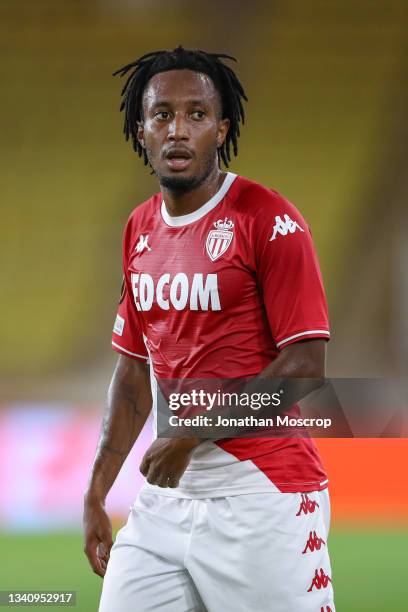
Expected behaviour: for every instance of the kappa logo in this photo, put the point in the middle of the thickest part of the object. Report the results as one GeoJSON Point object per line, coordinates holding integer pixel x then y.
{"type": "Point", "coordinates": [219, 240]}
{"type": "Point", "coordinates": [285, 226]}
{"type": "Point", "coordinates": [307, 505]}
{"type": "Point", "coordinates": [142, 244]}
{"type": "Point", "coordinates": [320, 581]}
{"type": "Point", "coordinates": [326, 609]}
{"type": "Point", "coordinates": [313, 543]}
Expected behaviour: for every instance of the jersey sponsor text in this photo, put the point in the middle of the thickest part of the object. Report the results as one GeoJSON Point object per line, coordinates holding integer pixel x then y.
{"type": "Point", "coordinates": [201, 293]}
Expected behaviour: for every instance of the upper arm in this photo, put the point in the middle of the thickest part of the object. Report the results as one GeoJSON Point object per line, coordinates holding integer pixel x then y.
{"type": "Point", "coordinates": [307, 359]}
{"type": "Point", "coordinates": [131, 380]}
{"type": "Point", "coordinates": [289, 276]}
{"type": "Point", "coordinates": [132, 371]}
{"type": "Point", "coordinates": [127, 334]}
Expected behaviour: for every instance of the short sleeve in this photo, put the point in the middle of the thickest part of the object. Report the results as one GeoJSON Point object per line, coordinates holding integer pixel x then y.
{"type": "Point", "coordinates": [127, 334]}
{"type": "Point", "coordinates": [289, 276]}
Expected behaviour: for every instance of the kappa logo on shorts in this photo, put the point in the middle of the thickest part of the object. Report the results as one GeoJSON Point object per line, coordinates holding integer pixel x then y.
{"type": "Point", "coordinates": [219, 240]}
{"type": "Point", "coordinates": [284, 227]}
{"type": "Point", "coordinates": [307, 505]}
{"type": "Point", "coordinates": [320, 580]}
{"type": "Point", "coordinates": [313, 543]}
{"type": "Point", "coordinates": [326, 609]}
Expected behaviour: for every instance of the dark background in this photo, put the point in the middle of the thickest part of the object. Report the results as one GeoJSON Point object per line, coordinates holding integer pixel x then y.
{"type": "Point", "coordinates": [326, 126]}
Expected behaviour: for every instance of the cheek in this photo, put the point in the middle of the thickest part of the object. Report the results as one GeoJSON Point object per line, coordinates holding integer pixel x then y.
{"type": "Point", "coordinates": [154, 138]}
{"type": "Point", "coordinates": [206, 139]}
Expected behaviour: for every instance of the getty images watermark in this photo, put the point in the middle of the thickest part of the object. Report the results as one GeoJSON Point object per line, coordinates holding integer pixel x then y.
{"type": "Point", "coordinates": [291, 407]}
{"type": "Point", "coordinates": [37, 598]}
{"type": "Point", "coordinates": [222, 401]}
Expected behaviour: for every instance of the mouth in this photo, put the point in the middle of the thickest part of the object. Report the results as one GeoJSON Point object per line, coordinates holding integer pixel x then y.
{"type": "Point", "coordinates": [178, 159]}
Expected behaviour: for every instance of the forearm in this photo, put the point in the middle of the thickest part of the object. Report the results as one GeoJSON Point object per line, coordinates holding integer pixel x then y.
{"type": "Point", "coordinates": [128, 406]}
{"type": "Point", "coordinates": [295, 373]}
{"type": "Point", "coordinates": [299, 360]}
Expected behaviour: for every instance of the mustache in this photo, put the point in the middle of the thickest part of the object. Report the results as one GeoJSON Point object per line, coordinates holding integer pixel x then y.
{"type": "Point", "coordinates": [177, 151]}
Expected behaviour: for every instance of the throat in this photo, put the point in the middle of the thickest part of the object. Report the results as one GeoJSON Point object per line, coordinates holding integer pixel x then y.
{"type": "Point", "coordinates": [184, 199]}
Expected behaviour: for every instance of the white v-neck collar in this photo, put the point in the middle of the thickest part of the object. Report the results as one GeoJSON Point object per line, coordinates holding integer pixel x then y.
{"type": "Point", "coordinates": [203, 210]}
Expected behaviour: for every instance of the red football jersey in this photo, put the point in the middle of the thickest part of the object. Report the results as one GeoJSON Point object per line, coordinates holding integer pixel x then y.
{"type": "Point", "coordinates": [218, 293]}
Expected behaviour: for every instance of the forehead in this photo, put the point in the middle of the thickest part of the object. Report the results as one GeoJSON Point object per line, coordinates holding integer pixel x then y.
{"type": "Point", "coordinates": [179, 86]}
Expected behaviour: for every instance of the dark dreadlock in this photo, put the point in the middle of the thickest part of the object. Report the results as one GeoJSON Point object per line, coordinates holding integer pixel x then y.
{"type": "Point", "coordinates": [223, 77]}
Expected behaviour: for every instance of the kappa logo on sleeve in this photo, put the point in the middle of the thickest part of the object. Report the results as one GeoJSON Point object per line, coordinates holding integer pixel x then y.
{"type": "Point", "coordinates": [119, 325]}
{"type": "Point", "coordinates": [142, 244]}
{"type": "Point", "coordinates": [284, 227]}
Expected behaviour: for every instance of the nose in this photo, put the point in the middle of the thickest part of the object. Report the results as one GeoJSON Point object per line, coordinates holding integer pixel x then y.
{"type": "Point", "coordinates": [178, 128]}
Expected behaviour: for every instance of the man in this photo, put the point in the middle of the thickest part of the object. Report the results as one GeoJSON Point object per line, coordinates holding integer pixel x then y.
{"type": "Point", "coordinates": [220, 281]}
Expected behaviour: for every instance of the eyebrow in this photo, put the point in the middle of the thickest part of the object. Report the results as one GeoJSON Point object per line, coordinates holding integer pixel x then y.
{"type": "Point", "coordinates": [195, 102]}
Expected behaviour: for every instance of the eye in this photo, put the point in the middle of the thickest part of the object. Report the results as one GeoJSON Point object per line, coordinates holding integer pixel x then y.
{"type": "Point", "coordinates": [162, 115]}
{"type": "Point", "coordinates": [197, 115]}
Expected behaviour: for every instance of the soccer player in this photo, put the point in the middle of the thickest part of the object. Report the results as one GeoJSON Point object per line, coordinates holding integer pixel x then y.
{"type": "Point", "coordinates": [221, 280]}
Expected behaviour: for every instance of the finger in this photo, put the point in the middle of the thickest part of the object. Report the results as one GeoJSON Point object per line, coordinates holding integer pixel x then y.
{"type": "Point", "coordinates": [144, 466]}
{"type": "Point", "coordinates": [90, 551]}
{"type": "Point", "coordinates": [153, 475]}
{"type": "Point", "coordinates": [102, 552]}
{"type": "Point", "coordinates": [100, 570]}
{"type": "Point", "coordinates": [106, 540]}
{"type": "Point", "coordinates": [103, 537]}
{"type": "Point", "coordinates": [173, 482]}
{"type": "Point", "coordinates": [162, 480]}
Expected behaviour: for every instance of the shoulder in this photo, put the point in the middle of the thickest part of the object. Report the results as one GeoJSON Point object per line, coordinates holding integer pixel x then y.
{"type": "Point", "coordinates": [143, 213]}
{"type": "Point", "coordinates": [265, 208]}
{"type": "Point", "coordinates": [140, 222]}
{"type": "Point", "coordinates": [255, 200]}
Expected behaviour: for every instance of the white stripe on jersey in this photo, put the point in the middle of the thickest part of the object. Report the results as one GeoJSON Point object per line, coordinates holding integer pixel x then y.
{"type": "Point", "coordinates": [305, 333]}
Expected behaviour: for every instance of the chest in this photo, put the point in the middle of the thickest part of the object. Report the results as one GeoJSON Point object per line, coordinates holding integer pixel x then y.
{"type": "Point", "coordinates": [203, 267]}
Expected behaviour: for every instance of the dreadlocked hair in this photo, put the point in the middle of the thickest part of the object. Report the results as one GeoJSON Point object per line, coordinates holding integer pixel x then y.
{"type": "Point", "coordinates": [223, 77]}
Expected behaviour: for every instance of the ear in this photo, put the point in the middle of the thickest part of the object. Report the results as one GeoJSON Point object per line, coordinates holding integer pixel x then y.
{"type": "Point", "coordinates": [140, 133]}
{"type": "Point", "coordinates": [223, 127]}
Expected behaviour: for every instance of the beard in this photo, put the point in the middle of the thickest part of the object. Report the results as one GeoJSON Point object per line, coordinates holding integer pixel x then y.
{"type": "Point", "coordinates": [180, 185]}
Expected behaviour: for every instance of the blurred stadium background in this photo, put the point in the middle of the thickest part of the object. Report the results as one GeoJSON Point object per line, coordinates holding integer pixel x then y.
{"type": "Point", "coordinates": [326, 126]}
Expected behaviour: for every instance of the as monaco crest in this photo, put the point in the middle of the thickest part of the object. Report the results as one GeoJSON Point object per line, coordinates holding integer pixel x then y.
{"type": "Point", "coordinates": [218, 240]}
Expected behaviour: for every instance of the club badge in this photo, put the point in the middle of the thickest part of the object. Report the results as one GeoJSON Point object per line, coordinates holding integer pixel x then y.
{"type": "Point", "coordinates": [219, 240]}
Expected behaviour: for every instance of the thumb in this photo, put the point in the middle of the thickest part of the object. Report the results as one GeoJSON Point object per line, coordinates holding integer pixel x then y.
{"type": "Point", "coordinates": [104, 535]}
{"type": "Point", "coordinates": [103, 551]}
{"type": "Point", "coordinates": [105, 538]}
{"type": "Point", "coordinates": [144, 465]}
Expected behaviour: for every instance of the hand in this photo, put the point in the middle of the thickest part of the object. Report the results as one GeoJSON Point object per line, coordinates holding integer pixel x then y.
{"type": "Point", "coordinates": [97, 535]}
{"type": "Point", "coordinates": [166, 459]}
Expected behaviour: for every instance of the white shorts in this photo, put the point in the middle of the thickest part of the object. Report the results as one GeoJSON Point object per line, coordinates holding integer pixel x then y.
{"type": "Point", "coordinates": [259, 552]}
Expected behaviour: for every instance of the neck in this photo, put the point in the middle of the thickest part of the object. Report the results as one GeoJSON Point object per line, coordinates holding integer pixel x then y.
{"type": "Point", "coordinates": [178, 204]}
